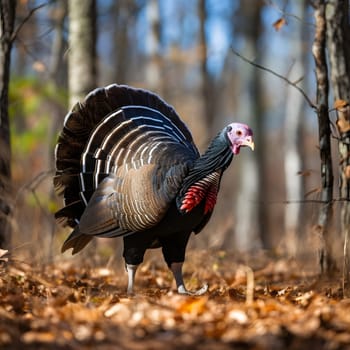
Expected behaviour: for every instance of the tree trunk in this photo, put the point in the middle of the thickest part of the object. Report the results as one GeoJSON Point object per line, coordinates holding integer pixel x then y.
{"type": "Point", "coordinates": [326, 261]}
{"type": "Point", "coordinates": [154, 66]}
{"type": "Point", "coordinates": [338, 44]}
{"type": "Point", "coordinates": [82, 51]}
{"type": "Point", "coordinates": [82, 75]}
{"type": "Point", "coordinates": [251, 225]}
{"type": "Point", "coordinates": [56, 68]}
{"type": "Point", "coordinates": [7, 19]}
{"type": "Point", "coordinates": [293, 163]}
{"type": "Point", "coordinates": [293, 160]}
{"type": "Point", "coordinates": [121, 11]}
{"type": "Point", "coordinates": [207, 89]}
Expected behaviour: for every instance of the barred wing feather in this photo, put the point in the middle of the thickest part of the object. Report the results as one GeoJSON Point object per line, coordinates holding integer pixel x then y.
{"type": "Point", "coordinates": [134, 198]}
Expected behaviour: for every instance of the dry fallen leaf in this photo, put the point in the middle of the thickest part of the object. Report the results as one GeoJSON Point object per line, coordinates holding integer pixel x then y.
{"type": "Point", "coordinates": [238, 315]}
{"type": "Point", "coordinates": [281, 22]}
{"type": "Point", "coordinates": [343, 123]}
{"type": "Point", "coordinates": [35, 337]}
{"type": "Point", "coordinates": [192, 306]}
{"type": "Point", "coordinates": [305, 173]}
{"type": "Point", "coordinates": [3, 254]}
{"type": "Point", "coordinates": [73, 306]}
{"type": "Point", "coordinates": [339, 104]}
{"type": "Point", "coordinates": [343, 120]}
{"type": "Point", "coordinates": [39, 66]}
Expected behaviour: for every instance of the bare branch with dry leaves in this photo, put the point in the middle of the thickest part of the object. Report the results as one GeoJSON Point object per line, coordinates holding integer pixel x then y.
{"type": "Point", "coordinates": [25, 20]}
{"type": "Point", "coordinates": [280, 76]}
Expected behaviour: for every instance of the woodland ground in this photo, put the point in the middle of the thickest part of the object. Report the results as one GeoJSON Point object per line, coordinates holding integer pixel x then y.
{"type": "Point", "coordinates": [256, 303]}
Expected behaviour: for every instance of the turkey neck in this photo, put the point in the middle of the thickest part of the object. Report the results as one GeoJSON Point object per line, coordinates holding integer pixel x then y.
{"type": "Point", "coordinates": [216, 158]}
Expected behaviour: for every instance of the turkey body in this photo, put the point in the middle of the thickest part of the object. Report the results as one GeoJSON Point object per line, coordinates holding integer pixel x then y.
{"type": "Point", "coordinates": [171, 234]}
{"type": "Point", "coordinates": [127, 166]}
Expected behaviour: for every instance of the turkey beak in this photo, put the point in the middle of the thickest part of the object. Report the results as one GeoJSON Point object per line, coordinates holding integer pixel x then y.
{"type": "Point", "coordinates": [249, 143]}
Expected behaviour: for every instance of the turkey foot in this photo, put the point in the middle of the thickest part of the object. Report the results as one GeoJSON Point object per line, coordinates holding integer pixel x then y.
{"type": "Point", "coordinates": [176, 269]}
{"type": "Point", "coordinates": [182, 290]}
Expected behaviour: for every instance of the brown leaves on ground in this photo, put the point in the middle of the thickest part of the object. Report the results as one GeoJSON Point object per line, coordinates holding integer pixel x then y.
{"type": "Point", "coordinates": [71, 306]}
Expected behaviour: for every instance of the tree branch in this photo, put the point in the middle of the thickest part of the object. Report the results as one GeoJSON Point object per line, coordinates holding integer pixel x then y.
{"type": "Point", "coordinates": [31, 187]}
{"type": "Point", "coordinates": [307, 201]}
{"type": "Point", "coordinates": [287, 14]}
{"type": "Point", "coordinates": [326, 258]}
{"type": "Point", "coordinates": [289, 82]}
{"type": "Point", "coordinates": [25, 20]}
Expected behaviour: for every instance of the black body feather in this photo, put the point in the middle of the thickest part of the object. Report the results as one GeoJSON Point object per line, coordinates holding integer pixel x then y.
{"type": "Point", "coordinates": [124, 162]}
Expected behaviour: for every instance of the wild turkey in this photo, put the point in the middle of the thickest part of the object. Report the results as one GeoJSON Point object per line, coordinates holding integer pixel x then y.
{"type": "Point", "coordinates": [127, 166]}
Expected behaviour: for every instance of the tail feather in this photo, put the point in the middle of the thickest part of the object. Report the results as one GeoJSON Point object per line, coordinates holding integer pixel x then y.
{"type": "Point", "coordinates": [101, 133]}
{"type": "Point", "coordinates": [68, 214]}
{"type": "Point", "coordinates": [76, 241]}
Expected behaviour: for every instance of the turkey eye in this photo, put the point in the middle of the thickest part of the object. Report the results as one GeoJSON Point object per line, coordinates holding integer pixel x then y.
{"type": "Point", "coordinates": [239, 133]}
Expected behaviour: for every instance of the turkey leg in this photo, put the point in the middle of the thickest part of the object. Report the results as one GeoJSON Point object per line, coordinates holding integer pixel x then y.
{"type": "Point", "coordinates": [176, 269]}
{"type": "Point", "coordinates": [131, 269]}
{"type": "Point", "coordinates": [174, 248]}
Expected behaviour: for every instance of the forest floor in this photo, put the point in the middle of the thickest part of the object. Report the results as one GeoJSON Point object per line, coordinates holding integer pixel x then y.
{"type": "Point", "coordinates": [264, 303]}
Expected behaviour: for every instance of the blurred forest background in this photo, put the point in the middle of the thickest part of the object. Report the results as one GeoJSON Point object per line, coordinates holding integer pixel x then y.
{"type": "Point", "coordinates": [186, 51]}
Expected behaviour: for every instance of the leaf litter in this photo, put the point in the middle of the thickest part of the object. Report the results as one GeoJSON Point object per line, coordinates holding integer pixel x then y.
{"type": "Point", "coordinates": [268, 304]}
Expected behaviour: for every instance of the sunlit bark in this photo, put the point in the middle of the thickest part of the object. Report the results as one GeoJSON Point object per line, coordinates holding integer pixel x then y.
{"type": "Point", "coordinates": [7, 19]}
{"type": "Point", "coordinates": [325, 212]}
{"type": "Point", "coordinates": [154, 67]}
{"type": "Point", "coordinates": [293, 136]}
{"type": "Point", "coordinates": [338, 44]}
{"type": "Point", "coordinates": [82, 51]}
{"type": "Point", "coordinates": [251, 224]}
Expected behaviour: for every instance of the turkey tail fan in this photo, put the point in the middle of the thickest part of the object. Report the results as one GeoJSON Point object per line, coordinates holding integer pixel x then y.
{"type": "Point", "coordinates": [86, 150]}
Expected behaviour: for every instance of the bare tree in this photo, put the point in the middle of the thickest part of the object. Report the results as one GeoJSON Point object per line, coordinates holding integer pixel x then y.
{"type": "Point", "coordinates": [251, 224]}
{"type": "Point", "coordinates": [338, 45]}
{"type": "Point", "coordinates": [325, 214]}
{"type": "Point", "coordinates": [154, 66]}
{"type": "Point", "coordinates": [122, 12]}
{"type": "Point", "coordinates": [7, 20]}
{"type": "Point", "coordinates": [58, 14]}
{"type": "Point", "coordinates": [207, 89]}
{"type": "Point", "coordinates": [293, 160]}
{"type": "Point", "coordinates": [82, 49]}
